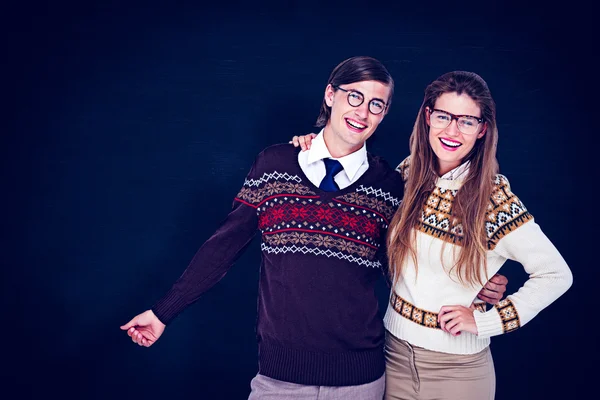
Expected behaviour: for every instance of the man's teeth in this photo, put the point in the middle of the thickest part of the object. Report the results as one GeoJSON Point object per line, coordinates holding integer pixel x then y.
{"type": "Point", "coordinates": [355, 124]}
{"type": "Point", "coordinates": [450, 144]}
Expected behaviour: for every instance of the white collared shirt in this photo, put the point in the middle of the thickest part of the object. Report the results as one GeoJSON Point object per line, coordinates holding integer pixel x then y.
{"type": "Point", "coordinates": [457, 173]}
{"type": "Point", "coordinates": [311, 163]}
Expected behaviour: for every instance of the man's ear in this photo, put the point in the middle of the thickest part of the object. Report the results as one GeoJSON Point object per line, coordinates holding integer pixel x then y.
{"type": "Point", "coordinates": [483, 131]}
{"type": "Point", "coordinates": [387, 110]}
{"type": "Point", "coordinates": [329, 94]}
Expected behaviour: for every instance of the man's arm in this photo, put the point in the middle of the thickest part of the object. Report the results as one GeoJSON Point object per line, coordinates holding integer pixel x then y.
{"type": "Point", "coordinates": [494, 289]}
{"type": "Point", "coordinates": [211, 262]}
{"type": "Point", "coordinates": [209, 265]}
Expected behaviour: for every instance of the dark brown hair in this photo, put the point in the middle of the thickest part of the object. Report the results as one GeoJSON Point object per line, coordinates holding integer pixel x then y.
{"type": "Point", "coordinates": [356, 69]}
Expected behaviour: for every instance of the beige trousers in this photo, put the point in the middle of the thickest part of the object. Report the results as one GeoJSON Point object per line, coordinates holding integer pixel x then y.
{"type": "Point", "coordinates": [265, 388]}
{"type": "Point", "coordinates": [416, 373]}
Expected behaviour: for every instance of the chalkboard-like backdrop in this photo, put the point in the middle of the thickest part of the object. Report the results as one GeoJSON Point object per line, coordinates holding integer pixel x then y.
{"type": "Point", "coordinates": [129, 129]}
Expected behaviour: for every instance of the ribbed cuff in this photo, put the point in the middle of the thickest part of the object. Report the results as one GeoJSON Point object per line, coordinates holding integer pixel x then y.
{"type": "Point", "coordinates": [169, 307]}
{"type": "Point", "coordinates": [488, 323]}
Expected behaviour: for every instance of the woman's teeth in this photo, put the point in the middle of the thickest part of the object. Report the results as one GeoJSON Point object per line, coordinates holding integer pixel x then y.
{"type": "Point", "coordinates": [449, 143]}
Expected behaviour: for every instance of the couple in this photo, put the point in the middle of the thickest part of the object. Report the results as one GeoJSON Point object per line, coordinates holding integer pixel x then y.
{"type": "Point", "coordinates": [333, 218]}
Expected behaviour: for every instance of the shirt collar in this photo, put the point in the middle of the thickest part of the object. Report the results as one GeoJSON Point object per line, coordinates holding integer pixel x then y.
{"type": "Point", "coordinates": [351, 163]}
{"type": "Point", "coordinates": [458, 173]}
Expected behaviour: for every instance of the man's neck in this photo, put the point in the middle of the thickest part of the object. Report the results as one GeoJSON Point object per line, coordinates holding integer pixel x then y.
{"type": "Point", "coordinates": [336, 147]}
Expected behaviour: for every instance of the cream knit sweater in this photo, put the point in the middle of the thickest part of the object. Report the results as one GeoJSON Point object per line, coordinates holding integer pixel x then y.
{"type": "Point", "coordinates": [512, 234]}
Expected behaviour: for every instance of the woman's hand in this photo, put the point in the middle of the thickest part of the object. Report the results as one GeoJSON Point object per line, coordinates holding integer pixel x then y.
{"type": "Point", "coordinates": [457, 319]}
{"type": "Point", "coordinates": [303, 141]}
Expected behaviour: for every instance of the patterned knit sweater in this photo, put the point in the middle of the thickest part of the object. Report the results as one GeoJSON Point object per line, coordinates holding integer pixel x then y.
{"type": "Point", "coordinates": [318, 317]}
{"type": "Point", "coordinates": [512, 234]}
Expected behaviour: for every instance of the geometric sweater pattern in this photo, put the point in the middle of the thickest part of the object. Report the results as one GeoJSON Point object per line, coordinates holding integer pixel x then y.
{"type": "Point", "coordinates": [293, 219]}
{"type": "Point", "coordinates": [322, 254]}
{"type": "Point", "coordinates": [505, 212]}
{"type": "Point", "coordinates": [512, 234]}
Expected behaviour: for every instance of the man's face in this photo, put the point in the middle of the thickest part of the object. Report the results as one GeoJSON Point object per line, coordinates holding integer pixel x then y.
{"type": "Point", "coordinates": [349, 127]}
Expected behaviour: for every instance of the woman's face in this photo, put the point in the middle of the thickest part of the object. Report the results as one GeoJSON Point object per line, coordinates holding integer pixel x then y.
{"type": "Point", "coordinates": [449, 144]}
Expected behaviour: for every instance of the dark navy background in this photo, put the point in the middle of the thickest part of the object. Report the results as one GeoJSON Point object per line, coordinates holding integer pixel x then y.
{"type": "Point", "coordinates": [128, 130]}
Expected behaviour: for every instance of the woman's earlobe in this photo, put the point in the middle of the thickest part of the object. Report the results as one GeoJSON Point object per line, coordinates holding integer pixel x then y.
{"type": "Point", "coordinates": [483, 131]}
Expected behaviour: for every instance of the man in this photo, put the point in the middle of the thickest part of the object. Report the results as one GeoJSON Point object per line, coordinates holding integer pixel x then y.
{"type": "Point", "coordinates": [323, 216]}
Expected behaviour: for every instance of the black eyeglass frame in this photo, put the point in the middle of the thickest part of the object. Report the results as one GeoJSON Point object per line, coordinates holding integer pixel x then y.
{"type": "Point", "coordinates": [363, 99]}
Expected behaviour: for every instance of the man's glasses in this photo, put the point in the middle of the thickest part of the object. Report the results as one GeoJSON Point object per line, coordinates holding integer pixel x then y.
{"type": "Point", "coordinates": [467, 124]}
{"type": "Point", "coordinates": [356, 98]}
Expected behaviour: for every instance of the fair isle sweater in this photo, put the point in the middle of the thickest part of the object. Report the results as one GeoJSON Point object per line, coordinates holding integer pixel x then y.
{"type": "Point", "coordinates": [512, 234]}
{"type": "Point", "coordinates": [318, 317]}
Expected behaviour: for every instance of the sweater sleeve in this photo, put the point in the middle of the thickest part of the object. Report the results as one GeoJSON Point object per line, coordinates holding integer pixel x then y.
{"type": "Point", "coordinates": [215, 257]}
{"type": "Point", "coordinates": [383, 259]}
{"type": "Point", "coordinates": [398, 190]}
{"type": "Point", "coordinates": [520, 239]}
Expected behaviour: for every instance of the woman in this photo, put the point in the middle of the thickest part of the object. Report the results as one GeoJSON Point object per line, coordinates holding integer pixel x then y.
{"type": "Point", "coordinates": [457, 225]}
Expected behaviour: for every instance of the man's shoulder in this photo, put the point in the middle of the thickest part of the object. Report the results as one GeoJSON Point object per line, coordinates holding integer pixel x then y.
{"type": "Point", "coordinates": [277, 154]}
{"type": "Point", "coordinates": [386, 173]}
{"type": "Point", "coordinates": [279, 149]}
{"type": "Point", "coordinates": [379, 163]}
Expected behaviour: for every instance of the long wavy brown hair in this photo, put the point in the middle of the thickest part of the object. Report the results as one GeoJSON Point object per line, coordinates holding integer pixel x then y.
{"type": "Point", "coordinates": [471, 199]}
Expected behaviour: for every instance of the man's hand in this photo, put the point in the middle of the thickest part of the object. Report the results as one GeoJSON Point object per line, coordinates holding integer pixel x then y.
{"type": "Point", "coordinates": [494, 289]}
{"type": "Point", "coordinates": [144, 329]}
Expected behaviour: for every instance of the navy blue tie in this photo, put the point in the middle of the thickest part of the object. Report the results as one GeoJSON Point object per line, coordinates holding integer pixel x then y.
{"type": "Point", "coordinates": [332, 168]}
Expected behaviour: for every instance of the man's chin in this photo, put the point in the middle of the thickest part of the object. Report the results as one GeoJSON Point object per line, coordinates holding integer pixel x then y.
{"type": "Point", "coordinates": [355, 139]}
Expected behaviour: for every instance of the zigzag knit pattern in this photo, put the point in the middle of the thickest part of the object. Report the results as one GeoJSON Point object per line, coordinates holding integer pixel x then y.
{"type": "Point", "coordinates": [294, 219]}
{"type": "Point", "coordinates": [505, 212]}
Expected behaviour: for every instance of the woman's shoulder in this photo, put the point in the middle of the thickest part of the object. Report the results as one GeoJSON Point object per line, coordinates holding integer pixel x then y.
{"type": "Point", "coordinates": [506, 212]}
{"type": "Point", "coordinates": [502, 192]}
{"type": "Point", "coordinates": [501, 181]}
